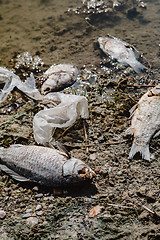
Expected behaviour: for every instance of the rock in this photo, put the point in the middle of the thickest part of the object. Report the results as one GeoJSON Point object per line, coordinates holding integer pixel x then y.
{"type": "Point", "coordinates": [27, 215]}
{"type": "Point", "coordinates": [38, 207]}
{"type": "Point", "coordinates": [119, 173]}
{"type": "Point", "coordinates": [2, 214]}
{"type": "Point", "coordinates": [39, 195]}
{"type": "Point", "coordinates": [40, 213]}
{"type": "Point", "coordinates": [35, 188]}
{"type": "Point", "coordinates": [50, 206]}
{"type": "Point", "coordinates": [29, 210]}
{"type": "Point", "coordinates": [93, 156]}
{"type": "Point", "coordinates": [31, 221]}
{"type": "Point", "coordinates": [107, 218]}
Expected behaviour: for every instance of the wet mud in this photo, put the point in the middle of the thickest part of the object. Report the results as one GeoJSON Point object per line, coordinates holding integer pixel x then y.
{"type": "Point", "coordinates": [128, 190]}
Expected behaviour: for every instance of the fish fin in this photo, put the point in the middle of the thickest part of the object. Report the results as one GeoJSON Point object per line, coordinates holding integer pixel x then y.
{"type": "Point", "coordinates": [13, 174]}
{"type": "Point", "coordinates": [129, 131]}
{"type": "Point", "coordinates": [63, 149]}
{"type": "Point", "coordinates": [156, 134]}
{"type": "Point", "coordinates": [143, 150]}
{"type": "Point", "coordinates": [16, 145]}
{"type": "Point", "coordinates": [131, 111]}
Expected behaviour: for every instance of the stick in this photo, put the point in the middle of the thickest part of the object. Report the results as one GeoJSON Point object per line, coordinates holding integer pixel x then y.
{"type": "Point", "coordinates": [149, 210]}
{"type": "Point", "coordinates": [85, 135]}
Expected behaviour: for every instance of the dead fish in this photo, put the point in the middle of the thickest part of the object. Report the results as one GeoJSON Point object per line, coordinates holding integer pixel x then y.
{"type": "Point", "coordinates": [43, 165]}
{"type": "Point", "coordinates": [121, 51]}
{"type": "Point", "coordinates": [145, 122]}
{"type": "Point", "coordinates": [59, 77]}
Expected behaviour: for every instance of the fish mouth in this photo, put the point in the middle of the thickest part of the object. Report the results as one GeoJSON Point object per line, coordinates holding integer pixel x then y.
{"type": "Point", "coordinates": [86, 173]}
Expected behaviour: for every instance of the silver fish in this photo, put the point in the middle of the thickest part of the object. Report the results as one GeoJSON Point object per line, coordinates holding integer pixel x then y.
{"type": "Point", "coordinates": [43, 165]}
{"type": "Point", "coordinates": [145, 122]}
{"type": "Point", "coordinates": [59, 77]}
{"type": "Point", "coordinates": [121, 51]}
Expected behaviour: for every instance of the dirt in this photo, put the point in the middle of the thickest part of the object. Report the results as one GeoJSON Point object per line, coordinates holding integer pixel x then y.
{"type": "Point", "coordinates": [127, 189]}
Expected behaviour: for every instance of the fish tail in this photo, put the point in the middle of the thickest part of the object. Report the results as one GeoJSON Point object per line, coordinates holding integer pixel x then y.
{"type": "Point", "coordinates": [137, 66]}
{"type": "Point", "coordinates": [143, 150]}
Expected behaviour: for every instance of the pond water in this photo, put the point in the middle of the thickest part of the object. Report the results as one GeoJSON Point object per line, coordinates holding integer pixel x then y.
{"type": "Point", "coordinates": [46, 28]}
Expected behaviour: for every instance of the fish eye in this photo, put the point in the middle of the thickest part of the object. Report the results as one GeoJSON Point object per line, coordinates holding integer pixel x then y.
{"type": "Point", "coordinates": [82, 171]}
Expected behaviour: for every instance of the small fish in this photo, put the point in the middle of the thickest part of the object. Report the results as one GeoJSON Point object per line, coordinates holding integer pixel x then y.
{"type": "Point", "coordinates": [59, 77]}
{"type": "Point", "coordinates": [145, 122]}
{"type": "Point", "coordinates": [43, 165]}
{"type": "Point", "coordinates": [121, 51]}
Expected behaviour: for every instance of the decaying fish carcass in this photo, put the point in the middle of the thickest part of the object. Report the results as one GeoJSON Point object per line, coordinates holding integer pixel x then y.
{"type": "Point", "coordinates": [121, 51]}
{"type": "Point", "coordinates": [59, 77]}
{"type": "Point", "coordinates": [145, 122]}
{"type": "Point", "coordinates": [43, 165]}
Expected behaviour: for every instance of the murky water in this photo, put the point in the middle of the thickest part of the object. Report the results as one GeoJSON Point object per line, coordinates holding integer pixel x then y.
{"type": "Point", "coordinates": [46, 28]}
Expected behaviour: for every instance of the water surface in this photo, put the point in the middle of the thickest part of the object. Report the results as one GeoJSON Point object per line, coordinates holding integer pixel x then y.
{"type": "Point", "coordinates": [45, 27]}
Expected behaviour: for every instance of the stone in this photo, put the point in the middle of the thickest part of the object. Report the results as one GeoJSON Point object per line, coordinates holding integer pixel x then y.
{"type": "Point", "coordinates": [2, 214]}
{"type": "Point", "coordinates": [31, 221]}
{"type": "Point", "coordinates": [93, 156]}
{"type": "Point", "coordinates": [40, 213]}
{"type": "Point", "coordinates": [27, 215]}
{"type": "Point", "coordinates": [38, 207]}
{"type": "Point", "coordinates": [35, 188]}
{"type": "Point", "coordinates": [29, 210]}
{"type": "Point", "coordinates": [39, 195]}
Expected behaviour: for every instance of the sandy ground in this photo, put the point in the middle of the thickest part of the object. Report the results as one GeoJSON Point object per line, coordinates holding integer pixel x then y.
{"type": "Point", "coordinates": [127, 190]}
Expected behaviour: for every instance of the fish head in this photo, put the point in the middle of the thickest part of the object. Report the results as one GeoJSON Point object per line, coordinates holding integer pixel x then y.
{"type": "Point", "coordinates": [50, 85]}
{"type": "Point", "coordinates": [77, 170]}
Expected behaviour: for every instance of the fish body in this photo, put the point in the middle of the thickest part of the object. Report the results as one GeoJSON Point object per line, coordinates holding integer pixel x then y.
{"type": "Point", "coordinates": [121, 51]}
{"type": "Point", "coordinates": [59, 77]}
{"type": "Point", "coordinates": [43, 165]}
{"type": "Point", "coordinates": [145, 122]}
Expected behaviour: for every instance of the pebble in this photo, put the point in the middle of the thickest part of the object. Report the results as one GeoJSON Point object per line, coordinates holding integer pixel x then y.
{"type": "Point", "coordinates": [39, 195]}
{"type": "Point", "coordinates": [38, 207]}
{"type": "Point", "coordinates": [2, 214]}
{"type": "Point", "coordinates": [32, 221]}
{"type": "Point", "coordinates": [119, 173]}
{"type": "Point", "coordinates": [29, 210]}
{"type": "Point", "coordinates": [27, 215]}
{"type": "Point", "coordinates": [40, 213]}
{"type": "Point", "coordinates": [50, 206]}
{"type": "Point", "coordinates": [93, 156]}
{"type": "Point", "coordinates": [35, 188]}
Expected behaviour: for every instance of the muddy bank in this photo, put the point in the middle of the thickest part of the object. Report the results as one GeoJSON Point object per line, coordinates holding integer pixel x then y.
{"type": "Point", "coordinates": [127, 190]}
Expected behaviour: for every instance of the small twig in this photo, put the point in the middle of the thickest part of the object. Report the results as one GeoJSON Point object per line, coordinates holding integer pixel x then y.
{"type": "Point", "coordinates": [87, 21]}
{"type": "Point", "coordinates": [149, 210]}
{"type": "Point", "coordinates": [85, 135]}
